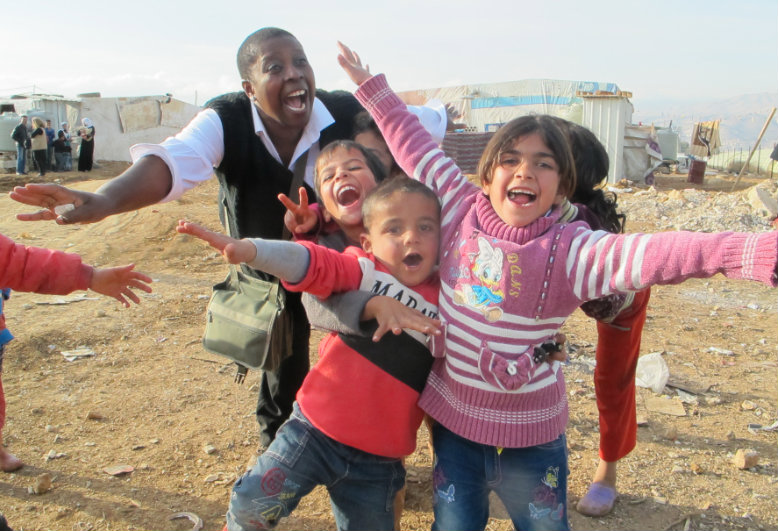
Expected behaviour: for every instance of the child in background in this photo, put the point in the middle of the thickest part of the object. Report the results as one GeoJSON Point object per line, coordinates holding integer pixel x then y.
{"type": "Point", "coordinates": [54, 272]}
{"type": "Point", "coordinates": [620, 319]}
{"type": "Point", "coordinates": [366, 133]}
{"type": "Point", "coordinates": [356, 413]}
{"type": "Point", "coordinates": [510, 276]}
{"type": "Point", "coordinates": [63, 152]}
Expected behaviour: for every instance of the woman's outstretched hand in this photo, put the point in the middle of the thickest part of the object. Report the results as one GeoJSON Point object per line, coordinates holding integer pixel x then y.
{"type": "Point", "coordinates": [350, 62]}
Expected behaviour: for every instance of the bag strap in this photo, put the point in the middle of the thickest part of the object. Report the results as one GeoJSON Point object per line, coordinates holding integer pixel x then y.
{"type": "Point", "coordinates": [298, 177]}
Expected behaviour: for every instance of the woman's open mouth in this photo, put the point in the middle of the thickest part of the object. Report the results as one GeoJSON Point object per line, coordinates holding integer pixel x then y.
{"type": "Point", "coordinates": [297, 100]}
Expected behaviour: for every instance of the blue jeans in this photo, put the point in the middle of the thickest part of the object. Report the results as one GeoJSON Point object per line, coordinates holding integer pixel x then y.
{"type": "Point", "coordinates": [362, 486]}
{"type": "Point", "coordinates": [21, 158]}
{"type": "Point", "coordinates": [531, 482]}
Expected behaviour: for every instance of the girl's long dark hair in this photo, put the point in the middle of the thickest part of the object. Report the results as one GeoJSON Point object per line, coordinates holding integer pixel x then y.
{"type": "Point", "coordinates": [591, 168]}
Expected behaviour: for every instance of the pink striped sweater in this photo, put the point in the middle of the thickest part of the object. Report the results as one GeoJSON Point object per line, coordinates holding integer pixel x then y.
{"type": "Point", "coordinates": [506, 289]}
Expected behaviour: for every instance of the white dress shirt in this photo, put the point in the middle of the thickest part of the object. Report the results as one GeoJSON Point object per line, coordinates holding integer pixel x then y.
{"type": "Point", "coordinates": [198, 148]}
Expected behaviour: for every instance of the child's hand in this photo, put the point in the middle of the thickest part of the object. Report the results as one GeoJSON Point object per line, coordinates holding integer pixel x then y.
{"type": "Point", "coordinates": [299, 219]}
{"type": "Point", "coordinates": [116, 282]}
{"type": "Point", "coordinates": [233, 250]}
{"type": "Point", "coordinates": [393, 315]}
{"type": "Point", "coordinates": [561, 354]}
{"type": "Point", "coordinates": [352, 64]}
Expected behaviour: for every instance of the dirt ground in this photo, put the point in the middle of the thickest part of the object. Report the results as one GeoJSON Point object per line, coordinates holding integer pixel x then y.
{"type": "Point", "coordinates": [150, 400]}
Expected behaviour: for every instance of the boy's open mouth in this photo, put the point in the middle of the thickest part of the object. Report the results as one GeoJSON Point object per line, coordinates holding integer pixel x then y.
{"type": "Point", "coordinates": [413, 259]}
{"type": "Point", "coordinates": [296, 100]}
{"type": "Point", "coordinates": [347, 196]}
{"type": "Point", "coordinates": [521, 197]}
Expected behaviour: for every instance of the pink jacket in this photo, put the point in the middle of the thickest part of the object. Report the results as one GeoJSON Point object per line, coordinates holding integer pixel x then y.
{"type": "Point", "coordinates": [41, 270]}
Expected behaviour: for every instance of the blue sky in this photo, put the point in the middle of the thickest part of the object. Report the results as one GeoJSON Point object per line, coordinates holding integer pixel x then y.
{"type": "Point", "coordinates": [682, 50]}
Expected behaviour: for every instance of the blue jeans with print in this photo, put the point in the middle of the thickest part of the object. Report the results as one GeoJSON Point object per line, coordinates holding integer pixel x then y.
{"type": "Point", "coordinates": [21, 158]}
{"type": "Point", "coordinates": [362, 486]}
{"type": "Point", "coordinates": [531, 482]}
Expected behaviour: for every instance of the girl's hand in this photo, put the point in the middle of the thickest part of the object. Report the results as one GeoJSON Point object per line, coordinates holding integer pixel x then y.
{"type": "Point", "coordinates": [233, 250]}
{"type": "Point", "coordinates": [352, 64]}
{"type": "Point", "coordinates": [299, 219]}
{"type": "Point", "coordinates": [393, 315]}
{"type": "Point", "coordinates": [118, 282]}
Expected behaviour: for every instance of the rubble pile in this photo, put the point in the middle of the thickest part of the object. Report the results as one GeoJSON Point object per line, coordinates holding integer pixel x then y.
{"type": "Point", "coordinates": [699, 210]}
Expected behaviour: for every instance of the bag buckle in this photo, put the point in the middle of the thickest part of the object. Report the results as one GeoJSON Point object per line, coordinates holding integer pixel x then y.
{"type": "Point", "coordinates": [240, 374]}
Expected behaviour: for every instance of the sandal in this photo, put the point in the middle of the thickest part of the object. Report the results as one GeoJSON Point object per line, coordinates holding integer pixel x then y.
{"type": "Point", "coordinates": [598, 501]}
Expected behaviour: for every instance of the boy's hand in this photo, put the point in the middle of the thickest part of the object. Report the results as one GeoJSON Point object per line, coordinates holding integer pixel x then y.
{"type": "Point", "coordinates": [299, 219]}
{"type": "Point", "coordinates": [352, 64]}
{"type": "Point", "coordinates": [393, 315]}
{"type": "Point", "coordinates": [233, 250]}
{"type": "Point", "coordinates": [117, 282]}
{"type": "Point", "coordinates": [60, 203]}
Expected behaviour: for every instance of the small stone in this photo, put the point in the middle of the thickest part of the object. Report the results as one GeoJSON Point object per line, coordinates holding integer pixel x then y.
{"type": "Point", "coordinates": [94, 415]}
{"type": "Point", "coordinates": [696, 468]}
{"type": "Point", "coordinates": [713, 400]}
{"type": "Point", "coordinates": [748, 405]}
{"type": "Point", "coordinates": [660, 500]}
{"type": "Point", "coordinates": [100, 313]}
{"type": "Point", "coordinates": [42, 483]}
{"type": "Point", "coordinates": [671, 434]}
{"type": "Point", "coordinates": [209, 449]}
{"type": "Point", "coordinates": [745, 459]}
{"type": "Point", "coordinates": [731, 436]}
{"type": "Point", "coordinates": [51, 429]}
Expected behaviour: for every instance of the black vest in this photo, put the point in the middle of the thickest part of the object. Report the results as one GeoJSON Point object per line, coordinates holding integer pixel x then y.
{"type": "Point", "coordinates": [250, 178]}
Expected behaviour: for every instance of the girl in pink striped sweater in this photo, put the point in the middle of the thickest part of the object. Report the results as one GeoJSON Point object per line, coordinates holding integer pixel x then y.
{"type": "Point", "coordinates": [511, 273]}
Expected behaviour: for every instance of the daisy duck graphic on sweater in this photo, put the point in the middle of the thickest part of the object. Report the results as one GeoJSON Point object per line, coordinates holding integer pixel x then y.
{"type": "Point", "coordinates": [479, 286]}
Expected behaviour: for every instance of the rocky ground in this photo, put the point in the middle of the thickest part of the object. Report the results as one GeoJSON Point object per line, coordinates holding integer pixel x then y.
{"type": "Point", "coordinates": [146, 425]}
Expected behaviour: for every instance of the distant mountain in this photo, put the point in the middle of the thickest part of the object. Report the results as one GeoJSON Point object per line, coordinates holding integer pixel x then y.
{"type": "Point", "coordinates": [742, 117]}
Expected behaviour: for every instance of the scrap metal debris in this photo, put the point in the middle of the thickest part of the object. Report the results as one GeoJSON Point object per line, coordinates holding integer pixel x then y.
{"type": "Point", "coordinates": [196, 520]}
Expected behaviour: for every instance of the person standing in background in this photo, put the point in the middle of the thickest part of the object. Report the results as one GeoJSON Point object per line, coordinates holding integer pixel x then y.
{"type": "Point", "coordinates": [21, 136]}
{"type": "Point", "coordinates": [50, 137]}
{"type": "Point", "coordinates": [87, 149]}
{"type": "Point", "coordinates": [39, 147]}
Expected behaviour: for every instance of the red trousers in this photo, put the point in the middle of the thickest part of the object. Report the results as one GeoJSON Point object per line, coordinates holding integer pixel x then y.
{"type": "Point", "coordinates": [618, 348]}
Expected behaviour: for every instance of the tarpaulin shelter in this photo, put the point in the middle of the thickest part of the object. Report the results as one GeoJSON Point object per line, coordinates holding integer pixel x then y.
{"type": "Point", "coordinates": [599, 106]}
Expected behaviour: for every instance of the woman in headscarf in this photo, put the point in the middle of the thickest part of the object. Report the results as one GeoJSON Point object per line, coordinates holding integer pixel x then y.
{"type": "Point", "coordinates": [85, 153]}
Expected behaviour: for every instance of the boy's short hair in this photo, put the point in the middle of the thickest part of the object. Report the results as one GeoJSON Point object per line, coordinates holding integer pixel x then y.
{"type": "Point", "coordinates": [372, 161]}
{"type": "Point", "coordinates": [385, 190]}
{"type": "Point", "coordinates": [549, 132]}
{"type": "Point", "coordinates": [249, 49]}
